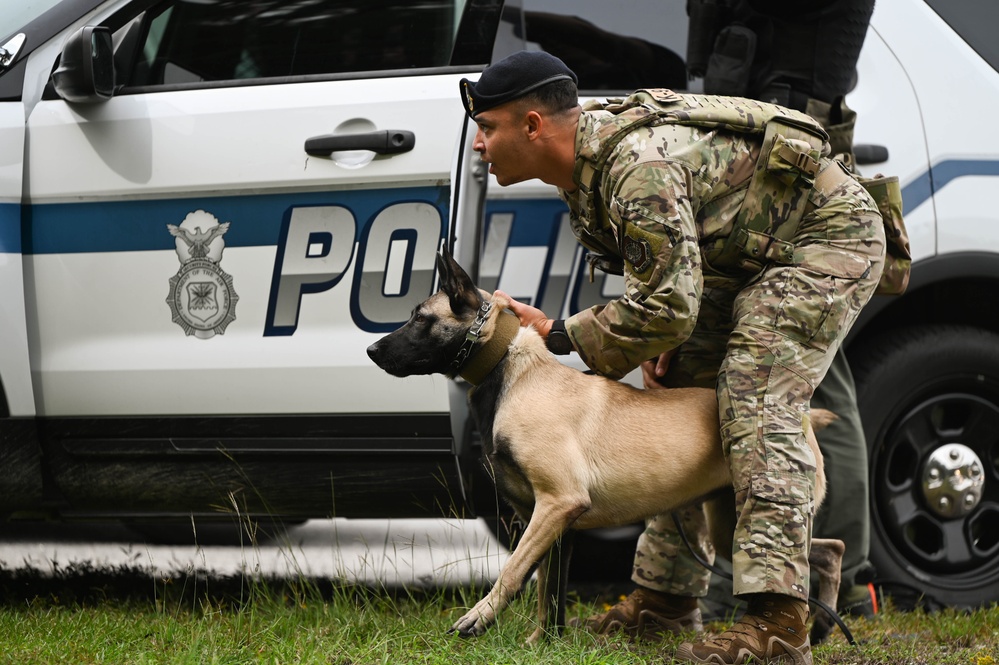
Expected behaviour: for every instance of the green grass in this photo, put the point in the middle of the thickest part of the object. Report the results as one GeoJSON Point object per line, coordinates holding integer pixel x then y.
{"type": "Point", "coordinates": [87, 616]}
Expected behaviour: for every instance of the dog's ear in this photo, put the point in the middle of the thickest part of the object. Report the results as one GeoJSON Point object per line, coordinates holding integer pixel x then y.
{"type": "Point", "coordinates": [456, 283]}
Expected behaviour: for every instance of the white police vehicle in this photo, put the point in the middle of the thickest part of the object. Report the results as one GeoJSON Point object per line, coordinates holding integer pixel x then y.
{"type": "Point", "coordinates": [210, 208]}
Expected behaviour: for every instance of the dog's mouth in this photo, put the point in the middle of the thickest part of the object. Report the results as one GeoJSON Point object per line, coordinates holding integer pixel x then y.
{"type": "Point", "coordinates": [415, 367]}
{"type": "Point", "coordinates": [392, 364]}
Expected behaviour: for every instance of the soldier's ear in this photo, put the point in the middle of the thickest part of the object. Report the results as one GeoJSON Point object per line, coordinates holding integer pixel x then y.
{"type": "Point", "coordinates": [533, 124]}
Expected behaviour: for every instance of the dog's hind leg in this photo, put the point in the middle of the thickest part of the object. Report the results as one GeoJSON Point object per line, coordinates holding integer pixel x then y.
{"type": "Point", "coordinates": [825, 561]}
{"type": "Point", "coordinates": [552, 516]}
{"type": "Point", "coordinates": [553, 585]}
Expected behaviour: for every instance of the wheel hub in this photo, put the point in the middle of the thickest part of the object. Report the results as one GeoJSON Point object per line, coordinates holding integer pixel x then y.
{"type": "Point", "coordinates": [953, 479]}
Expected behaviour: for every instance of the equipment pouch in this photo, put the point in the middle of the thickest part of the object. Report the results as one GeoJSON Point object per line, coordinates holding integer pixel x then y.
{"type": "Point", "coordinates": [774, 204]}
{"type": "Point", "coordinates": [730, 62]}
{"type": "Point", "coordinates": [706, 18]}
{"type": "Point", "coordinates": [887, 194]}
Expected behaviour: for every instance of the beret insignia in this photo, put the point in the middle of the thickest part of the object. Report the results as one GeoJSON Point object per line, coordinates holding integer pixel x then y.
{"type": "Point", "coordinates": [469, 101]}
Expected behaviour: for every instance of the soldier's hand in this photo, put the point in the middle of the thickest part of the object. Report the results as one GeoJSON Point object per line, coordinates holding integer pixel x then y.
{"type": "Point", "coordinates": [528, 315]}
{"type": "Point", "coordinates": [654, 370]}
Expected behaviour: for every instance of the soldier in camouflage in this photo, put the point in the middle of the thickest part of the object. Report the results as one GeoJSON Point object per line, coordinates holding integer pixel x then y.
{"type": "Point", "coordinates": [747, 289]}
{"type": "Point", "coordinates": [803, 56]}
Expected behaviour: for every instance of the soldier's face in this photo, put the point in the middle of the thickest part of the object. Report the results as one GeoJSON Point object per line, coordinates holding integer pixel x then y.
{"type": "Point", "coordinates": [502, 142]}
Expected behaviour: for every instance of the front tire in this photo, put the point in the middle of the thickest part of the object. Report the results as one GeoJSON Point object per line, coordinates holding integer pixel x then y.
{"type": "Point", "coordinates": [929, 400]}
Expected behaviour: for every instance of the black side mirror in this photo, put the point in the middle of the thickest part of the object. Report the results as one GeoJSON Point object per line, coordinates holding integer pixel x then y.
{"type": "Point", "coordinates": [86, 69]}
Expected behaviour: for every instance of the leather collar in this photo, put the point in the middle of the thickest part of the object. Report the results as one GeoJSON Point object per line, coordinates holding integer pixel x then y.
{"type": "Point", "coordinates": [483, 359]}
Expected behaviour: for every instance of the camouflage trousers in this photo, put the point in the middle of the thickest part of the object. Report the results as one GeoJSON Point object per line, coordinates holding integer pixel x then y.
{"type": "Point", "coordinates": [765, 345]}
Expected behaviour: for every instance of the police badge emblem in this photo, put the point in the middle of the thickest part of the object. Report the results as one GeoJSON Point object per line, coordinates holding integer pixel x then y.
{"type": "Point", "coordinates": [202, 299]}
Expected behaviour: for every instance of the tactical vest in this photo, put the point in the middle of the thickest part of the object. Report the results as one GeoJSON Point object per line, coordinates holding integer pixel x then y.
{"type": "Point", "coordinates": [778, 190]}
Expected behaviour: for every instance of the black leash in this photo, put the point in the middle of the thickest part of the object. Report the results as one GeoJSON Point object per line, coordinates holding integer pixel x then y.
{"type": "Point", "coordinates": [833, 614]}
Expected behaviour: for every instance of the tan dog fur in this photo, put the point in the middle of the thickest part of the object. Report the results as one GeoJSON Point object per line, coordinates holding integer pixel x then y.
{"type": "Point", "coordinates": [575, 451]}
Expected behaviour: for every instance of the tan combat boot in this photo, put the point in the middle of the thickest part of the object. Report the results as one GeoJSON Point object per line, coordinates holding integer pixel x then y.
{"type": "Point", "coordinates": [773, 630]}
{"type": "Point", "coordinates": [647, 615]}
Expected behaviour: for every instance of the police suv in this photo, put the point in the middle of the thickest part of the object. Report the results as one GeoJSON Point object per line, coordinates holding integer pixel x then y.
{"type": "Point", "coordinates": [210, 208]}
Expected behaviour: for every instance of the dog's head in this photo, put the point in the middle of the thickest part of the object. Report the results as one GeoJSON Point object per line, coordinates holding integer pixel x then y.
{"type": "Point", "coordinates": [433, 337]}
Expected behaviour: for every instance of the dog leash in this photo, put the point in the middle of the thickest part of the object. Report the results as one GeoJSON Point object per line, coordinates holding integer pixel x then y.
{"type": "Point", "coordinates": [833, 614]}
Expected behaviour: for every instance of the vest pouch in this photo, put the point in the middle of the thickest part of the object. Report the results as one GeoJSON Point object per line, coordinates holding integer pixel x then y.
{"type": "Point", "coordinates": [791, 159]}
{"type": "Point", "coordinates": [887, 194]}
{"type": "Point", "coordinates": [774, 205]}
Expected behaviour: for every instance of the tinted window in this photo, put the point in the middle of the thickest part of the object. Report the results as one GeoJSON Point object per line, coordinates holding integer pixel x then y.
{"type": "Point", "coordinates": [612, 48]}
{"type": "Point", "coordinates": [976, 21]}
{"type": "Point", "coordinates": [187, 41]}
{"type": "Point", "coordinates": [16, 15]}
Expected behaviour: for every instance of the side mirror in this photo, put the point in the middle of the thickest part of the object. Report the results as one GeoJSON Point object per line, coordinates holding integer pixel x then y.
{"type": "Point", "coordinates": [86, 69]}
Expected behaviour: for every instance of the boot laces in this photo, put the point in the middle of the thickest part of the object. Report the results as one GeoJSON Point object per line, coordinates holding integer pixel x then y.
{"type": "Point", "coordinates": [746, 630]}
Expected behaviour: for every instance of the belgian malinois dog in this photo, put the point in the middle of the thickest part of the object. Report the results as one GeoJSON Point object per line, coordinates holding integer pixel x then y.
{"type": "Point", "coordinates": [569, 450]}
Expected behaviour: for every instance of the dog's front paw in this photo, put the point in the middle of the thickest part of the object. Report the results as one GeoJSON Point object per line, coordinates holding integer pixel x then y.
{"type": "Point", "coordinates": [475, 622]}
{"type": "Point", "coordinates": [468, 626]}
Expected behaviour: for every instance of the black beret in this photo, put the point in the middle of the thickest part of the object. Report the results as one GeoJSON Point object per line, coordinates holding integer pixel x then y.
{"type": "Point", "coordinates": [512, 77]}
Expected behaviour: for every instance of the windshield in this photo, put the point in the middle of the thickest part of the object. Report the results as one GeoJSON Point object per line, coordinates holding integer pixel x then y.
{"type": "Point", "coordinates": [16, 14]}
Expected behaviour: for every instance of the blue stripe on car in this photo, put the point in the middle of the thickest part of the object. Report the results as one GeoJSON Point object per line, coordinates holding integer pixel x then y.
{"type": "Point", "coordinates": [940, 175]}
{"type": "Point", "coordinates": [10, 228]}
{"type": "Point", "coordinates": [140, 225]}
{"type": "Point", "coordinates": [120, 226]}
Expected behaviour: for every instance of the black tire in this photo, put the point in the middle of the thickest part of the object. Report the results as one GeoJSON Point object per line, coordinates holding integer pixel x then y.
{"type": "Point", "coordinates": [930, 395]}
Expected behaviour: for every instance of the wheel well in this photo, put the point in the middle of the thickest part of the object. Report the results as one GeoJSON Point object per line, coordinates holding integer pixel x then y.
{"type": "Point", "coordinates": [953, 289]}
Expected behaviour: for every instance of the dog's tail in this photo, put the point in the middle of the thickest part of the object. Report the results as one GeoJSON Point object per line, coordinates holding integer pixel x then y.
{"type": "Point", "coordinates": [818, 419]}
{"type": "Point", "coordinates": [821, 418]}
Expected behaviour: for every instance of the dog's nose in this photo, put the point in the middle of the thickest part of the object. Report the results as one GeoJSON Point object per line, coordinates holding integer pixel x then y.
{"type": "Point", "coordinates": [374, 351]}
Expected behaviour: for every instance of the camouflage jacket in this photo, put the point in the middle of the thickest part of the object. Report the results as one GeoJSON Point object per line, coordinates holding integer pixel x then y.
{"type": "Point", "coordinates": [667, 193]}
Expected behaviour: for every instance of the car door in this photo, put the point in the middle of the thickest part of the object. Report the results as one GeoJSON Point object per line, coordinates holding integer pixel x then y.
{"type": "Point", "coordinates": [16, 387]}
{"type": "Point", "coordinates": [262, 197]}
{"type": "Point", "coordinates": [20, 457]}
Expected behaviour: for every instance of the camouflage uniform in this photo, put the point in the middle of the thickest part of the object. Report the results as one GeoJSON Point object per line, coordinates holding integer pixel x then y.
{"type": "Point", "coordinates": [763, 338]}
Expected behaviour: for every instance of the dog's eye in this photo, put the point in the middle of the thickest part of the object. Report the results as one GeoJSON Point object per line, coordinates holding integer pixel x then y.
{"type": "Point", "coordinates": [418, 317]}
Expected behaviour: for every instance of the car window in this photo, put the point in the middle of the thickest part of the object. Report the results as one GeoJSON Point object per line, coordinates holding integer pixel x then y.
{"type": "Point", "coordinates": [609, 49]}
{"type": "Point", "coordinates": [975, 21]}
{"type": "Point", "coordinates": [16, 15]}
{"type": "Point", "coordinates": [192, 41]}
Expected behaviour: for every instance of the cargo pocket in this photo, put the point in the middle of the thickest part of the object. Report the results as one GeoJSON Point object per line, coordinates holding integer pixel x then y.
{"type": "Point", "coordinates": [820, 294]}
{"type": "Point", "coordinates": [781, 512]}
{"type": "Point", "coordinates": [782, 485]}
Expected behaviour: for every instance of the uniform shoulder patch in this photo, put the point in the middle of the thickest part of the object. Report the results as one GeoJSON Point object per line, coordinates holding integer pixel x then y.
{"type": "Point", "coordinates": [643, 249]}
{"type": "Point", "coordinates": [638, 253]}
